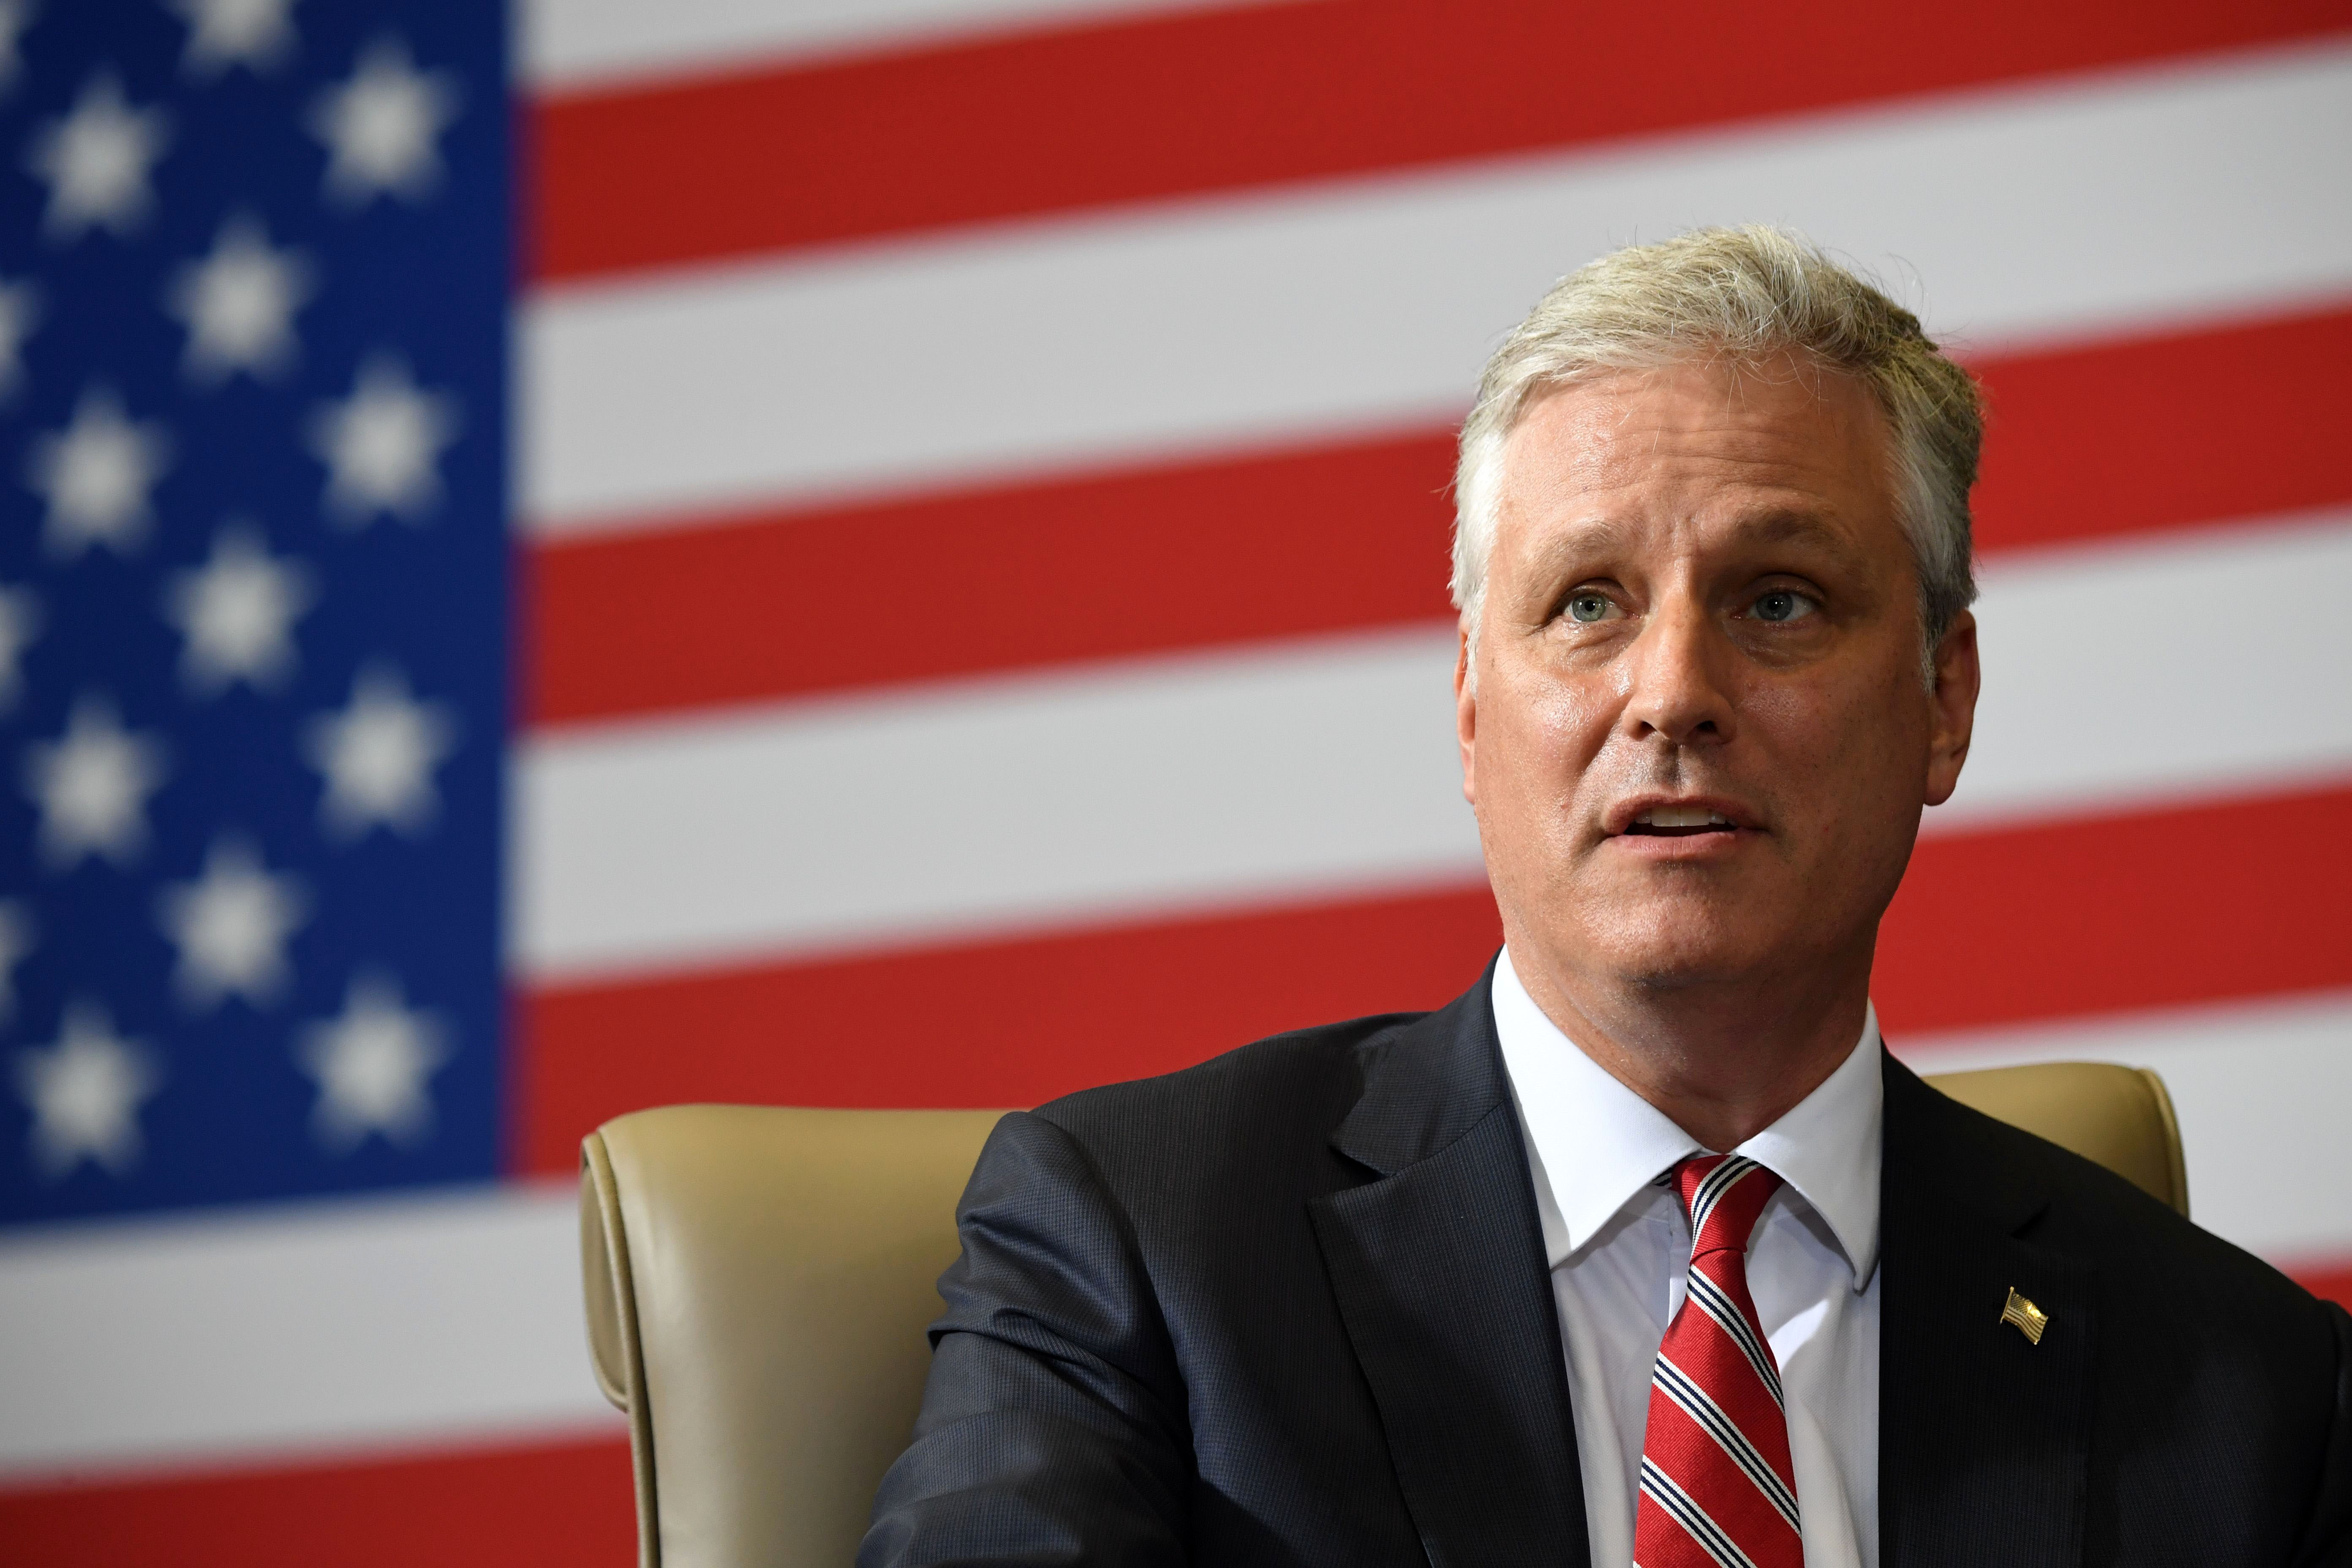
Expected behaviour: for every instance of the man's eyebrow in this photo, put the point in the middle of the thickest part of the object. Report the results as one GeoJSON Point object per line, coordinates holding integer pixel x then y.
{"type": "Point", "coordinates": [1590, 536]}
{"type": "Point", "coordinates": [1605, 535]}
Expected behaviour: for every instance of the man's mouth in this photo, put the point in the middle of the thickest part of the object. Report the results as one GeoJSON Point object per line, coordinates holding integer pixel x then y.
{"type": "Point", "coordinates": [1680, 822]}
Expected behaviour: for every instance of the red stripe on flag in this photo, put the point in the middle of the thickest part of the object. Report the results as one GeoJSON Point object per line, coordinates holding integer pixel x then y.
{"type": "Point", "coordinates": [2158, 432]}
{"type": "Point", "coordinates": [2145, 909]}
{"type": "Point", "coordinates": [560, 1502]}
{"type": "Point", "coordinates": [1001, 1023]}
{"type": "Point", "coordinates": [2082, 444]}
{"type": "Point", "coordinates": [2329, 1284]}
{"type": "Point", "coordinates": [768, 159]}
{"type": "Point", "coordinates": [1151, 560]}
{"type": "Point", "coordinates": [2116, 913]}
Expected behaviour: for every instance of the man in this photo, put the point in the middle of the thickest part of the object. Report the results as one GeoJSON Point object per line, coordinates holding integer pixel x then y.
{"type": "Point", "coordinates": [1480, 1285]}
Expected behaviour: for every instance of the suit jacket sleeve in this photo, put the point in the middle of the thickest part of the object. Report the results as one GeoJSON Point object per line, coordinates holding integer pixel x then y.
{"type": "Point", "coordinates": [1052, 1426]}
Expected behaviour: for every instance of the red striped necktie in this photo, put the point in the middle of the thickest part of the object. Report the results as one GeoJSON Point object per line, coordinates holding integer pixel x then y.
{"type": "Point", "coordinates": [1717, 1487]}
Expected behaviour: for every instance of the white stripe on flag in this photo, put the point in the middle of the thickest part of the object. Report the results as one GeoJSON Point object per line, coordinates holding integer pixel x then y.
{"type": "Point", "coordinates": [2023, 214]}
{"type": "Point", "coordinates": [272, 1331]}
{"type": "Point", "coordinates": [1188, 783]}
{"type": "Point", "coordinates": [2135, 672]}
{"type": "Point", "coordinates": [2132, 671]}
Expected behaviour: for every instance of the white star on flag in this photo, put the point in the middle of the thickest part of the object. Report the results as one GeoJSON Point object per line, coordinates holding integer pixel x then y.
{"type": "Point", "coordinates": [381, 128]}
{"type": "Point", "coordinates": [372, 1065]}
{"type": "Point", "coordinates": [95, 161]}
{"type": "Point", "coordinates": [238, 612]}
{"type": "Point", "coordinates": [382, 444]}
{"type": "Point", "coordinates": [18, 934]}
{"type": "Point", "coordinates": [378, 756]}
{"type": "Point", "coordinates": [85, 1090]}
{"type": "Point", "coordinates": [238, 304]}
{"type": "Point", "coordinates": [92, 784]}
{"type": "Point", "coordinates": [20, 627]}
{"type": "Point", "coordinates": [96, 474]}
{"type": "Point", "coordinates": [14, 16]}
{"type": "Point", "coordinates": [20, 312]}
{"type": "Point", "coordinates": [254, 34]}
{"type": "Point", "coordinates": [231, 926]}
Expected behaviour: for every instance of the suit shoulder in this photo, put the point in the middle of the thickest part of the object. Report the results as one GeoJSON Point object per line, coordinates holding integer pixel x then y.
{"type": "Point", "coordinates": [1276, 1067]}
{"type": "Point", "coordinates": [1292, 1086]}
{"type": "Point", "coordinates": [2140, 1237]}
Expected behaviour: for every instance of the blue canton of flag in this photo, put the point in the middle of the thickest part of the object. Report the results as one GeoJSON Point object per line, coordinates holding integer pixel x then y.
{"type": "Point", "coordinates": [254, 269]}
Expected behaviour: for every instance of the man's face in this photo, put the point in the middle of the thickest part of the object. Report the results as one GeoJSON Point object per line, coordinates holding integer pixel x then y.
{"type": "Point", "coordinates": [1698, 743]}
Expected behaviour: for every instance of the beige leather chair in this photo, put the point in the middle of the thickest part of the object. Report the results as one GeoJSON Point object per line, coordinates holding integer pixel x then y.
{"type": "Point", "coordinates": [759, 1280]}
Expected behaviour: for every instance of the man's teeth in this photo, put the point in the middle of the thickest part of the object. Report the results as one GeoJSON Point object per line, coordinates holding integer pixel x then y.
{"type": "Point", "coordinates": [1682, 816]}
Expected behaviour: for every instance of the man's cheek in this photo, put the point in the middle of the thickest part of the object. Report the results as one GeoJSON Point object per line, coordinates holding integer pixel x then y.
{"type": "Point", "coordinates": [1569, 721]}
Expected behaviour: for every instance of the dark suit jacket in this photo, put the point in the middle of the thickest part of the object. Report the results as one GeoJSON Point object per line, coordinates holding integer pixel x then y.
{"type": "Point", "coordinates": [1292, 1307]}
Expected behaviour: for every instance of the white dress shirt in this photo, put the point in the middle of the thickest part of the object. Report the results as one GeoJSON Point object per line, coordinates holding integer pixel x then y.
{"type": "Point", "coordinates": [1620, 1249]}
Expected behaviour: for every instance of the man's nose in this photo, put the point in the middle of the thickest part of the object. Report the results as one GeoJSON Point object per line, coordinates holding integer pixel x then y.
{"type": "Point", "coordinates": [1675, 673]}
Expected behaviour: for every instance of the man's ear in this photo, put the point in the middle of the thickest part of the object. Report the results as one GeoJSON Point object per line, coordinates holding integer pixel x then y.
{"type": "Point", "coordinates": [1465, 714]}
{"type": "Point", "coordinates": [1954, 700]}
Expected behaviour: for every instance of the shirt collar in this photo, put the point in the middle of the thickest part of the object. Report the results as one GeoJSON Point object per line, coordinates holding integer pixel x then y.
{"type": "Point", "coordinates": [1597, 1143]}
{"type": "Point", "coordinates": [1827, 1148]}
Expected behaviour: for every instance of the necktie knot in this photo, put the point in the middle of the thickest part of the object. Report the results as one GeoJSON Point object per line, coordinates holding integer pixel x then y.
{"type": "Point", "coordinates": [1723, 1195]}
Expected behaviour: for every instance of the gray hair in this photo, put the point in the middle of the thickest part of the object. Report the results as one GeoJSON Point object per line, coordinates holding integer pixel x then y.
{"type": "Point", "coordinates": [1749, 297]}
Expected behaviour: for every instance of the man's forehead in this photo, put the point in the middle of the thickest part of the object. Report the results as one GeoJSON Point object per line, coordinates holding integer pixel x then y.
{"type": "Point", "coordinates": [1774, 459]}
{"type": "Point", "coordinates": [1701, 409]}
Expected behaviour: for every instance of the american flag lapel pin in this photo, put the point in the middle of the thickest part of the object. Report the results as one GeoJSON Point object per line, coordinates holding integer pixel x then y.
{"type": "Point", "coordinates": [2029, 1319]}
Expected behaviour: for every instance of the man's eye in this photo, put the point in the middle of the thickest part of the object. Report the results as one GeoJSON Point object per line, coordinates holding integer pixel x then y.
{"type": "Point", "coordinates": [1783, 604]}
{"type": "Point", "coordinates": [1589, 608]}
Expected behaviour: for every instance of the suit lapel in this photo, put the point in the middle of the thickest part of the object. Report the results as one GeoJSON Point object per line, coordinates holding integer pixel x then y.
{"type": "Point", "coordinates": [1440, 1274]}
{"type": "Point", "coordinates": [1983, 1434]}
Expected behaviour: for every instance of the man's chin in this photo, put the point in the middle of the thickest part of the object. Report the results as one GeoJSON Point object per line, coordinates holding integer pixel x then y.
{"type": "Point", "coordinates": [1690, 939]}
{"type": "Point", "coordinates": [1662, 976]}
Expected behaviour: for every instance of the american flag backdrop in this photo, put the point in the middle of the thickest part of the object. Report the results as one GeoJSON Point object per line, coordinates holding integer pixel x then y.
{"type": "Point", "coordinates": [893, 553]}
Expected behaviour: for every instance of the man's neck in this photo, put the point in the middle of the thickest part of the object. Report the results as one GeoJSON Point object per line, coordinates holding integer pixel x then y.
{"type": "Point", "coordinates": [1723, 1060]}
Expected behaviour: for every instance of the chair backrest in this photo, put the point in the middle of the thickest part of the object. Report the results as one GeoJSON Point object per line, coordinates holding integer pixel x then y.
{"type": "Point", "coordinates": [759, 1280]}
{"type": "Point", "coordinates": [2119, 1117]}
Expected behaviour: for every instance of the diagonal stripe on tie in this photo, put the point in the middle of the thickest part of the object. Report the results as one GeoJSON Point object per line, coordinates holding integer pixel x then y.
{"type": "Point", "coordinates": [1697, 1526]}
{"type": "Point", "coordinates": [1716, 1183]}
{"type": "Point", "coordinates": [1692, 1457]}
{"type": "Point", "coordinates": [1711, 1418]}
{"type": "Point", "coordinates": [1732, 1320]}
